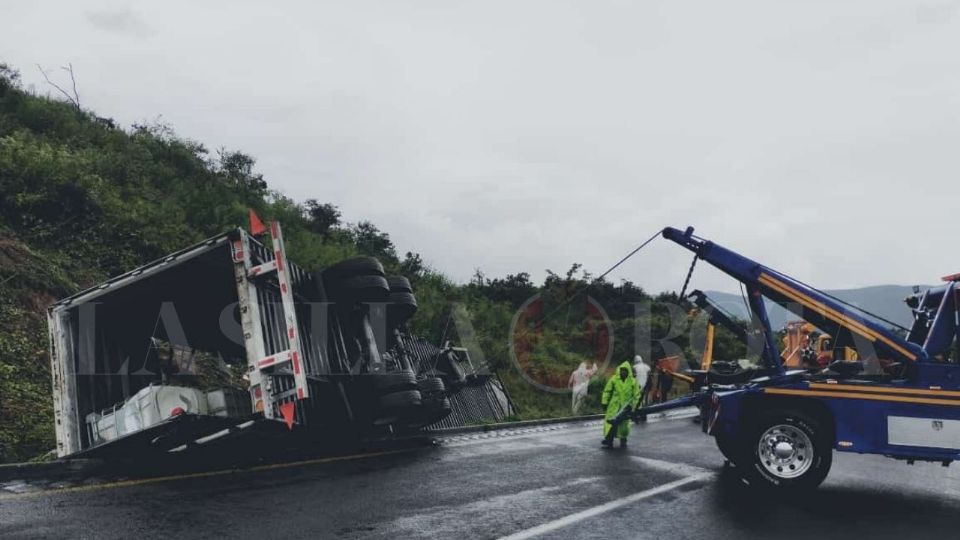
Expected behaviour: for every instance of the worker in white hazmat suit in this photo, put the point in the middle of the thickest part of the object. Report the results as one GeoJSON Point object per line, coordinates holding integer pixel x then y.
{"type": "Point", "coordinates": [642, 372]}
{"type": "Point", "coordinates": [579, 383]}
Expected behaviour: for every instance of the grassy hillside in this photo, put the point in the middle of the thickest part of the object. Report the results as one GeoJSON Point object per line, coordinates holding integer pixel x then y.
{"type": "Point", "coordinates": [83, 199]}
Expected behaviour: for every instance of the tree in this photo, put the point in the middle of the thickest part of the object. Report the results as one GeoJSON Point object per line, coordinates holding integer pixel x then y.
{"type": "Point", "coordinates": [515, 289]}
{"type": "Point", "coordinates": [373, 242]}
{"type": "Point", "coordinates": [412, 265]}
{"type": "Point", "coordinates": [322, 217]}
{"type": "Point", "coordinates": [9, 77]}
{"type": "Point", "coordinates": [238, 169]}
{"type": "Point", "coordinates": [73, 97]}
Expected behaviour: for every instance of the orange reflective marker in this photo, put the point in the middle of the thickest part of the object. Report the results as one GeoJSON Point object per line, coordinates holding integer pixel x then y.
{"type": "Point", "coordinates": [287, 411]}
{"type": "Point", "coordinates": [256, 226]}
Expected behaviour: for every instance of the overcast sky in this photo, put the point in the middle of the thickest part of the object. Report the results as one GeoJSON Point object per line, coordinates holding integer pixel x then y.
{"type": "Point", "coordinates": [820, 138]}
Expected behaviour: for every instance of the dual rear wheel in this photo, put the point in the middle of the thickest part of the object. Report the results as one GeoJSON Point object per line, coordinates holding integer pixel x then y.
{"type": "Point", "coordinates": [783, 449]}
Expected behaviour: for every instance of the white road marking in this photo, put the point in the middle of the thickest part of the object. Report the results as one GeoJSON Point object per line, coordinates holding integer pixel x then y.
{"type": "Point", "coordinates": [680, 469]}
{"type": "Point", "coordinates": [496, 437]}
{"type": "Point", "coordinates": [603, 508]}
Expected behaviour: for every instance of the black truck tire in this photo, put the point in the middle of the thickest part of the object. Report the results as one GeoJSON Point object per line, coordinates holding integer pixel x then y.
{"type": "Point", "coordinates": [435, 410]}
{"type": "Point", "coordinates": [431, 411]}
{"type": "Point", "coordinates": [786, 450]}
{"type": "Point", "coordinates": [357, 266]}
{"type": "Point", "coordinates": [403, 299]}
{"type": "Point", "coordinates": [396, 407]}
{"type": "Point", "coordinates": [399, 284]}
{"type": "Point", "coordinates": [439, 403]}
{"type": "Point", "coordinates": [358, 289]}
{"type": "Point", "coordinates": [431, 386]}
{"type": "Point", "coordinates": [402, 306]}
{"type": "Point", "coordinates": [388, 383]}
{"type": "Point", "coordinates": [400, 400]}
{"type": "Point", "coordinates": [366, 288]}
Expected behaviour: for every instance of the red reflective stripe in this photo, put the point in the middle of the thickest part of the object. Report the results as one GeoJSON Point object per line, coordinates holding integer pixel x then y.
{"type": "Point", "coordinates": [283, 288]}
{"type": "Point", "coordinates": [237, 251]}
{"type": "Point", "coordinates": [300, 393]}
{"type": "Point", "coordinates": [290, 332]}
{"type": "Point", "coordinates": [279, 259]}
{"type": "Point", "coordinates": [266, 361]}
{"type": "Point", "coordinates": [273, 229]}
{"type": "Point", "coordinates": [296, 363]}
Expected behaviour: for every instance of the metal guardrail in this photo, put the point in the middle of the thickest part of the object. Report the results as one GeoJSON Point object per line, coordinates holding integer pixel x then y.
{"type": "Point", "coordinates": [688, 412]}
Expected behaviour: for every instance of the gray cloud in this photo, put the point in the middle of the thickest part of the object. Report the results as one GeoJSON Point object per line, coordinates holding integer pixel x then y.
{"type": "Point", "coordinates": [819, 138]}
{"type": "Point", "coordinates": [120, 20]}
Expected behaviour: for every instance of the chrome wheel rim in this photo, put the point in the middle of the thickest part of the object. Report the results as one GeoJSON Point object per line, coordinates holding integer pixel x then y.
{"type": "Point", "coordinates": [785, 451]}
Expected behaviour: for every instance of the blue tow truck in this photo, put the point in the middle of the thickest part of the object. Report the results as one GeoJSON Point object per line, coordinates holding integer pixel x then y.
{"type": "Point", "coordinates": [779, 427]}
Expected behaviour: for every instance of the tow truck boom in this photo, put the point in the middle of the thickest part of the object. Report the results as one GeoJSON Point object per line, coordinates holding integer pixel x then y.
{"type": "Point", "coordinates": [806, 302]}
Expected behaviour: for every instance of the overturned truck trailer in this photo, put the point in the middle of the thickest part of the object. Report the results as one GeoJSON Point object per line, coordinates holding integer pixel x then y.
{"type": "Point", "coordinates": [228, 337]}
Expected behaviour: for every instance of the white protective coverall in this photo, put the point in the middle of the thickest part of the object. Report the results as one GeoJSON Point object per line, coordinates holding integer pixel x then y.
{"type": "Point", "coordinates": [580, 382]}
{"type": "Point", "coordinates": [642, 372]}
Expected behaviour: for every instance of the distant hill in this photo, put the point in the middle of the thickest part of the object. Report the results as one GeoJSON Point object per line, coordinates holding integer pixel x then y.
{"type": "Point", "coordinates": [884, 300]}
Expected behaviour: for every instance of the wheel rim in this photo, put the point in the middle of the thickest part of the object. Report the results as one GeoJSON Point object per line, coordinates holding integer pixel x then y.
{"type": "Point", "coordinates": [785, 451]}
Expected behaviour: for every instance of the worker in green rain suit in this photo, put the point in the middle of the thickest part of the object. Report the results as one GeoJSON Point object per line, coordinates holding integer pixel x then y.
{"type": "Point", "coordinates": [621, 396]}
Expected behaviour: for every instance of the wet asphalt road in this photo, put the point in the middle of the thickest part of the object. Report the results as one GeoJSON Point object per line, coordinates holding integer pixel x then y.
{"type": "Point", "coordinates": [549, 482]}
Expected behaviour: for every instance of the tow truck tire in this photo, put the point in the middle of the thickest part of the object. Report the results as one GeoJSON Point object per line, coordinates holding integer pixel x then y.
{"type": "Point", "coordinates": [787, 451]}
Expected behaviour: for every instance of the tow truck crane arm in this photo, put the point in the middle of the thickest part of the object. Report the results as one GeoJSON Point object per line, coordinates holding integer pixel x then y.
{"type": "Point", "coordinates": [718, 315]}
{"type": "Point", "coordinates": [808, 303]}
